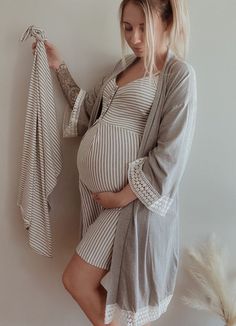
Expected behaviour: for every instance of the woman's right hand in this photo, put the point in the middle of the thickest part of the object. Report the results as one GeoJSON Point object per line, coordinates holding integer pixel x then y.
{"type": "Point", "coordinates": [53, 56]}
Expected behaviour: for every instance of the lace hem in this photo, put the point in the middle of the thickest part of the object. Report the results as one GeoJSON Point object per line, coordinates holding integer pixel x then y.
{"type": "Point", "coordinates": [144, 190]}
{"type": "Point", "coordinates": [141, 317]}
{"type": "Point", "coordinates": [71, 118]}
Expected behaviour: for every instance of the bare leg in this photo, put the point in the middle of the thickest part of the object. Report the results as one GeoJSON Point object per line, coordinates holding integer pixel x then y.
{"type": "Point", "coordinates": [82, 280]}
{"type": "Point", "coordinates": [103, 294]}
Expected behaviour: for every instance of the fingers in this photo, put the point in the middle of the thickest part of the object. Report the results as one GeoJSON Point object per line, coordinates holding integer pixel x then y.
{"type": "Point", "coordinates": [35, 43]}
{"type": "Point", "coordinates": [47, 44]}
{"type": "Point", "coordinates": [33, 47]}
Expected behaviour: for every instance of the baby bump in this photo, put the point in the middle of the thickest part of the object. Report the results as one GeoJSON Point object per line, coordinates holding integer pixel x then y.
{"type": "Point", "coordinates": [104, 154]}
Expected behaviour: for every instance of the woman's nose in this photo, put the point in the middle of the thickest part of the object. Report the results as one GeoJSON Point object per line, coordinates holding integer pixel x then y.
{"type": "Point", "coordinates": [136, 37]}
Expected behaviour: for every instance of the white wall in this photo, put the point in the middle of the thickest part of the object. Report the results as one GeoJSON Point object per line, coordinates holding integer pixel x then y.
{"type": "Point", "coordinates": [31, 290]}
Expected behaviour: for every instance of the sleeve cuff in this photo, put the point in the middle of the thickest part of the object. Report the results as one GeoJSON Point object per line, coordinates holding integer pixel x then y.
{"type": "Point", "coordinates": [71, 117]}
{"type": "Point", "coordinates": [144, 190]}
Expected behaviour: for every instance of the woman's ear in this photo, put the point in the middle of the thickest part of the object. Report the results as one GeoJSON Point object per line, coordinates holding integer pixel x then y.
{"type": "Point", "coordinates": [166, 26]}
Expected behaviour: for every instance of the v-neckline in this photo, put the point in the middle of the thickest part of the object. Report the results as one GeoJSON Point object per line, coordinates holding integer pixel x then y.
{"type": "Point", "coordinates": [170, 55]}
{"type": "Point", "coordinates": [132, 81]}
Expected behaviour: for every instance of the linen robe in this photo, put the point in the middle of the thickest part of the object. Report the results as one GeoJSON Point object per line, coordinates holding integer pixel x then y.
{"type": "Point", "coordinates": [142, 277]}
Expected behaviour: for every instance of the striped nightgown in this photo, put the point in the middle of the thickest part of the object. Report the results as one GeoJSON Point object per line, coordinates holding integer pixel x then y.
{"type": "Point", "coordinates": [102, 161]}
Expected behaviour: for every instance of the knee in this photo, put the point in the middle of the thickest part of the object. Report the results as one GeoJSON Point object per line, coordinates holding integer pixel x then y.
{"type": "Point", "coordinates": [74, 286]}
{"type": "Point", "coordinates": [66, 280]}
{"type": "Point", "coordinates": [71, 281]}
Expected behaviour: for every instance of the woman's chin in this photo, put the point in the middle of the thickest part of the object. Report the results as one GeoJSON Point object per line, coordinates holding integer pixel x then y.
{"type": "Point", "coordinates": [138, 53]}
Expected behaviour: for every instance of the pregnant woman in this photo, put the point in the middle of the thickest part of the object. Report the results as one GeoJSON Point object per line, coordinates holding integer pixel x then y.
{"type": "Point", "coordinates": [108, 163]}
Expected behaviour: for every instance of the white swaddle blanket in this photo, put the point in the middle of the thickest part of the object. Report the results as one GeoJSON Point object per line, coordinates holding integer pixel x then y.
{"type": "Point", "coordinates": [42, 156]}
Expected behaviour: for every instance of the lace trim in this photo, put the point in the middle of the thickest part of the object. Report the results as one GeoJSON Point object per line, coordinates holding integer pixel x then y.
{"type": "Point", "coordinates": [70, 119]}
{"type": "Point", "coordinates": [141, 317]}
{"type": "Point", "coordinates": [144, 190]}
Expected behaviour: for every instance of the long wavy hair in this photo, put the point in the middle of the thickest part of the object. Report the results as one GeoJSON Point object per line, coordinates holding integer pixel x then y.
{"type": "Point", "coordinates": [175, 14]}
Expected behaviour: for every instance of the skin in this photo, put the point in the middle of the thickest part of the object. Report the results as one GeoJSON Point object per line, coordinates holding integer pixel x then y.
{"type": "Point", "coordinates": [81, 279]}
{"type": "Point", "coordinates": [134, 27]}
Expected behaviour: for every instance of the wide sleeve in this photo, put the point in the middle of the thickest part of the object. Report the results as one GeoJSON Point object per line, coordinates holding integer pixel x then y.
{"type": "Point", "coordinates": [75, 121]}
{"type": "Point", "coordinates": [155, 177]}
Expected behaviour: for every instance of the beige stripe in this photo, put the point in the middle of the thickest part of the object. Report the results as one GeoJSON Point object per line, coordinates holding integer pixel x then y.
{"type": "Point", "coordinates": [41, 157]}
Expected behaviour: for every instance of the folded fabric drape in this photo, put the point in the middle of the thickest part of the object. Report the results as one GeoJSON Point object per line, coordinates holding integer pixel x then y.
{"type": "Point", "coordinates": [42, 156]}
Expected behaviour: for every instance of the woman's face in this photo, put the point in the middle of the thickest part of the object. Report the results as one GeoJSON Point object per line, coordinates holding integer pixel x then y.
{"type": "Point", "coordinates": [134, 28]}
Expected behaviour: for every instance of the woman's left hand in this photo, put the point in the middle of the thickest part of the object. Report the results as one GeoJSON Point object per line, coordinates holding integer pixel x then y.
{"type": "Point", "coordinates": [109, 199]}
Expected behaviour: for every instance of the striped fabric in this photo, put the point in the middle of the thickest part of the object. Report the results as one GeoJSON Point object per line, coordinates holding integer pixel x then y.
{"type": "Point", "coordinates": [127, 111]}
{"type": "Point", "coordinates": [42, 156]}
{"type": "Point", "coordinates": [98, 230]}
{"type": "Point", "coordinates": [102, 160]}
{"type": "Point", "coordinates": [146, 244]}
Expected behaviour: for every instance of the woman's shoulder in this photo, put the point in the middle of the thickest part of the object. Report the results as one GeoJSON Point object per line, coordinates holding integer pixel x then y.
{"type": "Point", "coordinates": [181, 68]}
{"type": "Point", "coordinates": [124, 61]}
{"type": "Point", "coordinates": [179, 74]}
{"type": "Point", "coordinates": [176, 67]}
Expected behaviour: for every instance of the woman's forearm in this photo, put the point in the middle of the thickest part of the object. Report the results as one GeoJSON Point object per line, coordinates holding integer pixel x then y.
{"type": "Point", "coordinates": [127, 195]}
{"type": "Point", "coordinates": [68, 85]}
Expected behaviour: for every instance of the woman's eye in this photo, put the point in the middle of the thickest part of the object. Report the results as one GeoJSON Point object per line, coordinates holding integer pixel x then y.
{"type": "Point", "coordinates": [129, 29]}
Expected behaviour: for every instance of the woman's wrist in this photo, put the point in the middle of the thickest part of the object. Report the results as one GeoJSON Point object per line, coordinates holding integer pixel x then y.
{"type": "Point", "coordinates": [57, 65]}
{"type": "Point", "coordinates": [126, 195]}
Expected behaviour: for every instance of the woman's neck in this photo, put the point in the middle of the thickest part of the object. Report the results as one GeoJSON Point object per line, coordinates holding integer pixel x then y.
{"type": "Point", "coordinates": [160, 59]}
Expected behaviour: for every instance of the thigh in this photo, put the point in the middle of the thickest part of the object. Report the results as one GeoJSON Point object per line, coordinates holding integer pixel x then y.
{"type": "Point", "coordinates": [81, 275]}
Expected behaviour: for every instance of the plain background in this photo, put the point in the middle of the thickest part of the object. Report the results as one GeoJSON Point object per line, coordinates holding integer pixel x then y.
{"type": "Point", "coordinates": [87, 35]}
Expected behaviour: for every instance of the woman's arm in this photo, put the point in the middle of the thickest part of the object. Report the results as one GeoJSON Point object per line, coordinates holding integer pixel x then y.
{"type": "Point", "coordinates": [75, 122]}
{"type": "Point", "coordinates": [68, 85]}
{"type": "Point", "coordinates": [155, 178]}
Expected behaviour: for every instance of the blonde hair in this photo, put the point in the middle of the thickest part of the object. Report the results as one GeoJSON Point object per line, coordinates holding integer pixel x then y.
{"type": "Point", "coordinates": [172, 12]}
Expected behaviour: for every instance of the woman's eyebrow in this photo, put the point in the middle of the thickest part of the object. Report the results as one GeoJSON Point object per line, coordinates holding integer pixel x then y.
{"type": "Point", "coordinates": [130, 24]}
